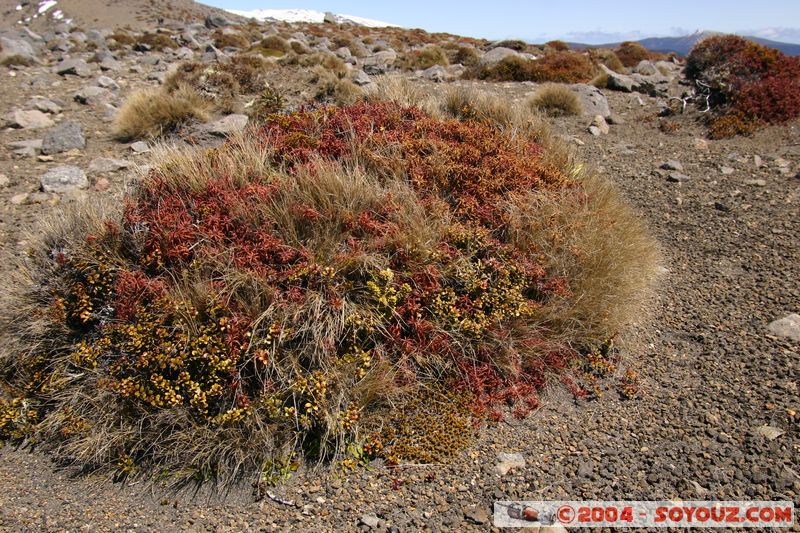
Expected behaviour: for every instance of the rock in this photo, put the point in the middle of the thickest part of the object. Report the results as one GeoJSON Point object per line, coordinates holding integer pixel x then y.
{"type": "Point", "coordinates": [369, 520]}
{"type": "Point", "coordinates": [26, 148]}
{"type": "Point", "coordinates": [788, 327]}
{"type": "Point", "coordinates": [66, 136]}
{"type": "Point", "coordinates": [593, 101]}
{"type": "Point", "coordinates": [586, 469]}
{"type": "Point", "coordinates": [93, 95]}
{"type": "Point", "coordinates": [617, 81]}
{"type": "Point", "coordinates": [109, 64]}
{"type": "Point", "coordinates": [77, 67]}
{"type": "Point", "coordinates": [4, 181]}
{"type": "Point", "coordinates": [140, 147]}
{"type": "Point", "coordinates": [436, 73]}
{"type": "Point", "coordinates": [226, 125]}
{"type": "Point", "coordinates": [477, 515]}
{"type": "Point", "coordinates": [329, 18]}
{"type": "Point", "coordinates": [184, 54]}
{"type": "Point", "coordinates": [107, 164]}
{"type": "Point", "coordinates": [32, 119]}
{"type": "Point", "coordinates": [756, 183]}
{"type": "Point", "coordinates": [361, 78]}
{"type": "Point", "coordinates": [107, 83]}
{"type": "Point", "coordinates": [726, 171]}
{"type": "Point", "coordinates": [700, 144]}
{"type": "Point", "coordinates": [655, 85]}
{"type": "Point", "coordinates": [19, 199]}
{"type": "Point", "coordinates": [600, 123]}
{"type": "Point", "coordinates": [217, 21]}
{"type": "Point", "coordinates": [103, 184]}
{"type": "Point", "coordinates": [509, 461]}
{"type": "Point", "coordinates": [719, 206]}
{"type": "Point", "coordinates": [769, 432]}
{"type": "Point", "coordinates": [615, 119]}
{"type": "Point", "coordinates": [672, 165]}
{"type": "Point", "coordinates": [495, 55]}
{"type": "Point", "coordinates": [44, 105]}
{"type": "Point", "coordinates": [594, 130]}
{"type": "Point", "coordinates": [677, 177]}
{"type": "Point", "coordinates": [64, 179]}
{"type": "Point", "coordinates": [379, 62]}
{"type": "Point", "coordinates": [10, 47]}
{"type": "Point", "coordinates": [757, 161]}
{"type": "Point", "coordinates": [646, 68]}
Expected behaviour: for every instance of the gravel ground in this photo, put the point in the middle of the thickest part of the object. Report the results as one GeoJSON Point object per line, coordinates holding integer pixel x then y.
{"type": "Point", "coordinates": [711, 375]}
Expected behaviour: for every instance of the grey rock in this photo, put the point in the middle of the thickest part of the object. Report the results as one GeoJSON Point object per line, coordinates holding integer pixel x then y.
{"type": "Point", "coordinates": [769, 432]}
{"type": "Point", "coordinates": [788, 327]}
{"type": "Point", "coordinates": [66, 136]}
{"type": "Point", "coordinates": [672, 165]}
{"type": "Point", "coordinates": [26, 148]}
{"type": "Point", "coordinates": [756, 183]}
{"type": "Point", "coordinates": [615, 119]}
{"type": "Point", "coordinates": [646, 68]}
{"type": "Point", "coordinates": [436, 73]}
{"type": "Point", "coordinates": [379, 62]}
{"type": "Point", "coordinates": [77, 67]}
{"type": "Point", "coordinates": [140, 147]}
{"type": "Point", "coordinates": [594, 130]}
{"type": "Point", "coordinates": [110, 65]}
{"type": "Point", "coordinates": [184, 53]}
{"type": "Point", "coordinates": [586, 469]}
{"type": "Point", "coordinates": [329, 18]}
{"type": "Point", "coordinates": [10, 47]}
{"type": "Point", "coordinates": [593, 101]}
{"type": "Point", "coordinates": [654, 85]}
{"type": "Point", "coordinates": [32, 119]}
{"type": "Point", "coordinates": [44, 105]}
{"type": "Point", "coordinates": [726, 171]}
{"type": "Point", "coordinates": [107, 83]}
{"type": "Point", "coordinates": [107, 164]}
{"type": "Point", "coordinates": [64, 179]}
{"type": "Point", "coordinates": [227, 125]}
{"type": "Point", "coordinates": [677, 177]}
{"type": "Point", "coordinates": [4, 181]}
{"type": "Point", "coordinates": [600, 123]}
{"type": "Point", "coordinates": [507, 462]}
{"type": "Point", "coordinates": [757, 161]}
{"type": "Point", "coordinates": [617, 81]}
{"type": "Point", "coordinates": [361, 78]}
{"type": "Point", "coordinates": [495, 55]}
{"type": "Point", "coordinates": [369, 520]}
{"type": "Point", "coordinates": [343, 53]}
{"type": "Point", "coordinates": [93, 95]}
{"type": "Point", "coordinates": [217, 21]}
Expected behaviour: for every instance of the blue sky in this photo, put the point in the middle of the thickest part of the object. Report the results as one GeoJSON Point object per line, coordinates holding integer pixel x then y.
{"type": "Point", "coordinates": [577, 20]}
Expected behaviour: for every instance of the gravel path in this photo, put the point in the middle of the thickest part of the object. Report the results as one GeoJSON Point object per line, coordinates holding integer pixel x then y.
{"type": "Point", "coordinates": [711, 376]}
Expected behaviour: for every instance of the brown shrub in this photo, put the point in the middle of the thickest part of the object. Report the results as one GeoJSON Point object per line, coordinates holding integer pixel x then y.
{"type": "Point", "coordinates": [513, 44]}
{"type": "Point", "coordinates": [211, 81]}
{"type": "Point", "coordinates": [556, 100]}
{"type": "Point", "coordinates": [423, 58]}
{"type": "Point", "coordinates": [561, 67]}
{"type": "Point", "coordinates": [249, 71]}
{"type": "Point", "coordinates": [607, 57]}
{"type": "Point", "coordinates": [558, 46]}
{"type": "Point", "coordinates": [464, 55]}
{"type": "Point", "coordinates": [151, 113]}
{"type": "Point", "coordinates": [273, 46]}
{"type": "Point", "coordinates": [630, 54]}
{"type": "Point", "coordinates": [157, 41]}
{"type": "Point", "coordinates": [227, 39]}
{"type": "Point", "coordinates": [332, 88]}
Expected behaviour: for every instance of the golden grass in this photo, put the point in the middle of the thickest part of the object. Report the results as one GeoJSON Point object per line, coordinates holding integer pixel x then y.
{"type": "Point", "coordinates": [556, 100]}
{"type": "Point", "coordinates": [149, 113]}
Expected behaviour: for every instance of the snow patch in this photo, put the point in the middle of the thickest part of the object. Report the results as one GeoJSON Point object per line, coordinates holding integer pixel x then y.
{"type": "Point", "coordinates": [46, 5]}
{"type": "Point", "coordinates": [19, 7]}
{"type": "Point", "coordinates": [307, 15]}
{"type": "Point", "coordinates": [58, 14]}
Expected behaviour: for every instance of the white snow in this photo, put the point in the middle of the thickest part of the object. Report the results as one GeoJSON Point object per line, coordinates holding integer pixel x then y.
{"type": "Point", "coordinates": [58, 14]}
{"type": "Point", "coordinates": [306, 15]}
{"type": "Point", "coordinates": [47, 4]}
{"type": "Point", "coordinates": [19, 7]}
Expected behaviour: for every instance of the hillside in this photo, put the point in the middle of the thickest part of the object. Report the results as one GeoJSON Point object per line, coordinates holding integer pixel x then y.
{"type": "Point", "coordinates": [683, 44]}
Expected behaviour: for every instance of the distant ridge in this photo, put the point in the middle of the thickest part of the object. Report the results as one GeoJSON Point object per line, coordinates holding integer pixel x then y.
{"type": "Point", "coordinates": [683, 44]}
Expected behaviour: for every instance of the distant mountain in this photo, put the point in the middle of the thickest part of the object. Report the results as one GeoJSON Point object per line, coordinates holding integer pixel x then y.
{"type": "Point", "coordinates": [682, 45]}
{"type": "Point", "coordinates": [307, 15]}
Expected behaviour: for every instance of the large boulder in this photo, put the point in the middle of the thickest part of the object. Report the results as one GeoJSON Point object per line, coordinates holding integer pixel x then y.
{"type": "Point", "coordinates": [66, 136]}
{"type": "Point", "coordinates": [655, 85]}
{"type": "Point", "coordinates": [64, 179]}
{"type": "Point", "coordinates": [10, 47]}
{"type": "Point", "coordinates": [29, 120]}
{"type": "Point", "coordinates": [495, 55]}
{"type": "Point", "coordinates": [76, 67]}
{"type": "Point", "coordinates": [379, 62]}
{"type": "Point", "coordinates": [593, 101]}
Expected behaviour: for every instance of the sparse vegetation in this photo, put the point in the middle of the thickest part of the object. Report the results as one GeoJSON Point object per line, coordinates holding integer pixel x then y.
{"type": "Point", "coordinates": [561, 67]}
{"type": "Point", "coordinates": [607, 57]}
{"type": "Point", "coordinates": [155, 112]}
{"type": "Point", "coordinates": [558, 46]}
{"type": "Point", "coordinates": [631, 53]}
{"type": "Point", "coordinates": [423, 58]}
{"type": "Point", "coordinates": [556, 100]}
{"type": "Point", "coordinates": [748, 84]}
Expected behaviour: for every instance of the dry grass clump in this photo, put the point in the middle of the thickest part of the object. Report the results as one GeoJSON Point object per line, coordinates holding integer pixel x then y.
{"type": "Point", "coordinates": [152, 113]}
{"type": "Point", "coordinates": [157, 41]}
{"type": "Point", "coordinates": [607, 57]}
{"type": "Point", "coordinates": [334, 88]}
{"type": "Point", "coordinates": [16, 61]}
{"type": "Point", "coordinates": [343, 284]}
{"type": "Point", "coordinates": [273, 46]}
{"type": "Point", "coordinates": [558, 46]}
{"type": "Point", "coordinates": [227, 39]}
{"type": "Point", "coordinates": [423, 58]}
{"type": "Point", "coordinates": [556, 100]}
{"type": "Point", "coordinates": [462, 55]}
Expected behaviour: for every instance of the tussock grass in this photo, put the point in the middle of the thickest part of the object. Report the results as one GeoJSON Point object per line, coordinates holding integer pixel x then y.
{"type": "Point", "coordinates": [556, 100]}
{"type": "Point", "coordinates": [148, 114]}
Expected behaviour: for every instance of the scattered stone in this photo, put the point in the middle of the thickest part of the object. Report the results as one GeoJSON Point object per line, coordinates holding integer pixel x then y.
{"type": "Point", "coordinates": [699, 490]}
{"type": "Point", "coordinates": [599, 126]}
{"type": "Point", "coordinates": [719, 206]}
{"type": "Point", "coordinates": [369, 520]}
{"type": "Point", "coordinates": [477, 515]}
{"type": "Point", "coordinates": [677, 177]}
{"type": "Point", "coordinates": [103, 184]}
{"type": "Point", "coordinates": [32, 119]}
{"type": "Point", "coordinates": [379, 62]}
{"type": "Point", "coordinates": [140, 147]}
{"type": "Point", "coordinates": [107, 164]}
{"type": "Point", "coordinates": [509, 461]}
{"type": "Point", "coordinates": [593, 101]}
{"type": "Point", "coordinates": [495, 55]}
{"type": "Point", "coordinates": [107, 83]}
{"type": "Point", "coordinates": [361, 78]}
{"type": "Point", "coordinates": [26, 148]}
{"type": "Point", "coordinates": [329, 18]}
{"type": "Point", "coordinates": [615, 120]}
{"type": "Point", "coordinates": [436, 73]}
{"type": "Point", "coordinates": [788, 327]}
{"type": "Point", "coordinates": [19, 199]}
{"type": "Point", "coordinates": [646, 68]}
{"type": "Point", "coordinates": [66, 136]}
{"type": "Point", "coordinates": [594, 130]}
{"type": "Point", "coordinates": [64, 179]}
{"type": "Point", "coordinates": [93, 95]}
{"type": "Point", "coordinates": [700, 144]}
{"type": "Point", "coordinates": [16, 47]}
{"type": "Point", "coordinates": [227, 125]}
{"type": "Point", "coordinates": [769, 432]}
{"type": "Point", "coordinates": [76, 67]}
{"type": "Point", "coordinates": [756, 183]}
{"type": "Point", "coordinates": [727, 171]}
{"type": "Point", "coordinates": [217, 21]}
{"type": "Point", "coordinates": [757, 161]}
{"type": "Point", "coordinates": [586, 469]}
{"type": "Point", "coordinates": [4, 181]}
{"type": "Point", "coordinates": [672, 165]}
